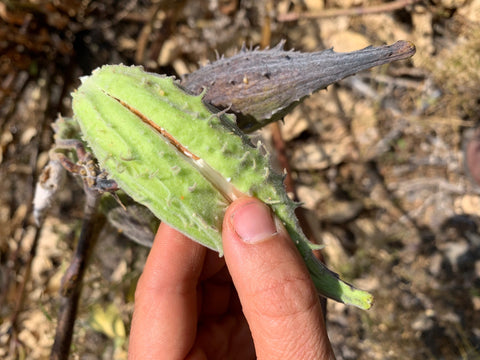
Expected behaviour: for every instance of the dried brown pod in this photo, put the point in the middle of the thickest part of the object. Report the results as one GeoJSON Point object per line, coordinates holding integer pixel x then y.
{"type": "Point", "coordinates": [261, 86]}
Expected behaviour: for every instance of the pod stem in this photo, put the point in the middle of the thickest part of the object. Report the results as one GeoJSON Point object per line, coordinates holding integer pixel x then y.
{"type": "Point", "coordinates": [330, 285]}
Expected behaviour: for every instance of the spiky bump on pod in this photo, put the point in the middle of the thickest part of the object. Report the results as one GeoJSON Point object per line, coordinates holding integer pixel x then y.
{"type": "Point", "coordinates": [169, 152]}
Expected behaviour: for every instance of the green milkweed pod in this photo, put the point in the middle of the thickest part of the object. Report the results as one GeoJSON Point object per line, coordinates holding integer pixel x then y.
{"type": "Point", "coordinates": [168, 151]}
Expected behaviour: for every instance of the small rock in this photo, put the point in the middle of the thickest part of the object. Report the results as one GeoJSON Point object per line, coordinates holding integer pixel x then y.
{"type": "Point", "coordinates": [334, 250]}
{"type": "Point", "coordinates": [347, 40]}
{"type": "Point", "coordinates": [469, 204]}
{"type": "Point", "coordinates": [314, 5]}
{"type": "Point", "coordinates": [477, 269]}
{"type": "Point", "coordinates": [28, 135]}
{"type": "Point", "coordinates": [476, 303]}
{"type": "Point", "coordinates": [309, 197]}
{"type": "Point", "coordinates": [340, 212]}
{"type": "Point", "coordinates": [295, 123]}
{"type": "Point", "coordinates": [456, 253]}
{"type": "Point", "coordinates": [423, 323]}
{"type": "Point", "coordinates": [314, 156]}
{"type": "Point", "coordinates": [450, 317]}
{"type": "Point", "coordinates": [435, 266]}
{"type": "Point", "coordinates": [471, 11]}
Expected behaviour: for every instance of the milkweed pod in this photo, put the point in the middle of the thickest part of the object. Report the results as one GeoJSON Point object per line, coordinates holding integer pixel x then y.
{"type": "Point", "coordinates": [168, 151]}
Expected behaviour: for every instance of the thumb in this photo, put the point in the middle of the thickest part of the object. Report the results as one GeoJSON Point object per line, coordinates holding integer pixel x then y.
{"type": "Point", "coordinates": [278, 298]}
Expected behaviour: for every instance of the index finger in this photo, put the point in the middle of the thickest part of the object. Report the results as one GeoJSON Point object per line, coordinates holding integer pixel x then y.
{"type": "Point", "coordinates": [165, 315]}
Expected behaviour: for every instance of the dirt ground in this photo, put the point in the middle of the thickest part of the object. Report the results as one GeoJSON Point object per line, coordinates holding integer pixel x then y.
{"type": "Point", "coordinates": [378, 160]}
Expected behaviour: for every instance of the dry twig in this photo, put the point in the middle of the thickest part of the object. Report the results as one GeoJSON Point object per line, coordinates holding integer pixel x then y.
{"type": "Point", "coordinates": [356, 11]}
{"type": "Point", "coordinates": [73, 278]}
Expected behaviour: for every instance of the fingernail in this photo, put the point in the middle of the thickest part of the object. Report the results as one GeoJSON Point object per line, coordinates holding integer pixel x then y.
{"type": "Point", "coordinates": [254, 223]}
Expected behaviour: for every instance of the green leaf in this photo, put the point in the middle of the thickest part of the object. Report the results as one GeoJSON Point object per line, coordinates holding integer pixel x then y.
{"type": "Point", "coordinates": [108, 321]}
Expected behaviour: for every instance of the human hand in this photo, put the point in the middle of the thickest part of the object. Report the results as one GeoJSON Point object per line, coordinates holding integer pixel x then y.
{"type": "Point", "coordinates": [256, 302]}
